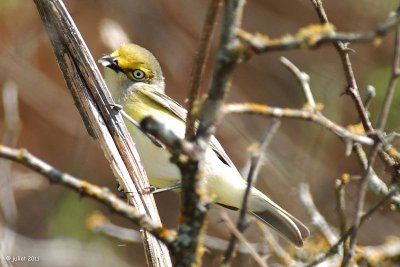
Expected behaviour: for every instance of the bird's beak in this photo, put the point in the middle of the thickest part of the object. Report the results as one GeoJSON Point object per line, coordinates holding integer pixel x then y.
{"type": "Point", "coordinates": [110, 61]}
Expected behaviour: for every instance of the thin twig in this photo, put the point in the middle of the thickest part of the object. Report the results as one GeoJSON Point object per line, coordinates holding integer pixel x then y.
{"type": "Point", "coordinates": [200, 63]}
{"type": "Point", "coordinates": [341, 201]}
{"type": "Point", "coordinates": [383, 116]}
{"type": "Point", "coordinates": [341, 205]}
{"type": "Point", "coordinates": [302, 114]}
{"type": "Point", "coordinates": [303, 79]}
{"type": "Point", "coordinates": [256, 160]}
{"type": "Point", "coordinates": [335, 248]}
{"type": "Point", "coordinates": [369, 95]}
{"type": "Point", "coordinates": [242, 239]}
{"type": "Point", "coordinates": [84, 188]}
{"type": "Point", "coordinates": [347, 258]}
{"type": "Point", "coordinates": [343, 51]}
{"type": "Point", "coordinates": [317, 219]}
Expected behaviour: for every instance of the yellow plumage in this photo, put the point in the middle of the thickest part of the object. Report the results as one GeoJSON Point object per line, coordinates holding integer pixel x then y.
{"type": "Point", "coordinates": [136, 82]}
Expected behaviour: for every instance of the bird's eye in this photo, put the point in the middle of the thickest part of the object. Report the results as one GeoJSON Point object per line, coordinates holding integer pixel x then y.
{"type": "Point", "coordinates": [138, 74]}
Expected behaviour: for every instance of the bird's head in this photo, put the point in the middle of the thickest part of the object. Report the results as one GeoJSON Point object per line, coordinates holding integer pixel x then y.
{"type": "Point", "coordinates": [134, 64]}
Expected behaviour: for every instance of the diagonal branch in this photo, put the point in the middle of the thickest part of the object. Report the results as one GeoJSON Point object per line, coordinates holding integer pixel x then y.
{"type": "Point", "coordinates": [301, 114]}
{"type": "Point", "coordinates": [256, 160]}
{"type": "Point", "coordinates": [343, 51]}
{"type": "Point", "coordinates": [84, 188]}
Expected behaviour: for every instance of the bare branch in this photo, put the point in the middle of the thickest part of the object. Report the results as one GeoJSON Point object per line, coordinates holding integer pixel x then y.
{"type": "Point", "coordinates": [335, 248]}
{"type": "Point", "coordinates": [302, 114]}
{"type": "Point", "coordinates": [84, 188]}
{"type": "Point", "coordinates": [256, 160]}
{"type": "Point", "coordinates": [314, 36]}
{"type": "Point", "coordinates": [303, 78]}
{"type": "Point", "coordinates": [358, 213]}
{"type": "Point", "coordinates": [343, 51]}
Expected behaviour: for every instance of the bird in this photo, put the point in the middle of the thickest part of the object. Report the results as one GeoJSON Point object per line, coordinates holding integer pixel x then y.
{"type": "Point", "coordinates": [136, 82]}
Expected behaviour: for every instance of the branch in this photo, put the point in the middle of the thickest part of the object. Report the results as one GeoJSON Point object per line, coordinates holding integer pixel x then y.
{"type": "Point", "coordinates": [195, 201]}
{"type": "Point", "coordinates": [256, 160]}
{"type": "Point", "coordinates": [375, 184]}
{"type": "Point", "coordinates": [84, 188]}
{"type": "Point", "coordinates": [347, 258]}
{"type": "Point", "coordinates": [317, 219]}
{"type": "Point", "coordinates": [343, 51]}
{"type": "Point", "coordinates": [335, 248]}
{"type": "Point", "coordinates": [314, 36]}
{"type": "Point", "coordinates": [302, 114]}
{"type": "Point", "coordinates": [303, 79]}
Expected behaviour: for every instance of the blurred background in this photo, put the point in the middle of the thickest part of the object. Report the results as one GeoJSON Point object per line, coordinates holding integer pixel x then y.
{"type": "Point", "coordinates": [51, 221]}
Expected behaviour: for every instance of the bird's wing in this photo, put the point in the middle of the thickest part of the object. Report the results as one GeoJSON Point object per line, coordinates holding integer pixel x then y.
{"type": "Point", "coordinates": [177, 110]}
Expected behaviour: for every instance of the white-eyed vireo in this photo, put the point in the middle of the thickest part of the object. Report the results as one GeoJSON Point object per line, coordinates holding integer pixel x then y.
{"type": "Point", "coordinates": [136, 82]}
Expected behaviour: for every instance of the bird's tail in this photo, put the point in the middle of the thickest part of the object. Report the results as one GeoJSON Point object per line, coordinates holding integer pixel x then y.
{"type": "Point", "coordinates": [283, 222]}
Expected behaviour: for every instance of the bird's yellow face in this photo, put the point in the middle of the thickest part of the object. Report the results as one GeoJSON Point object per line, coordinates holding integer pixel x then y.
{"type": "Point", "coordinates": [136, 64]}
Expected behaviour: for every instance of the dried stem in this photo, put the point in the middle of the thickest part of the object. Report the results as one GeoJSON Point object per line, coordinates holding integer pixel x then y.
{"type": "Point", "coordinates": [92, 99]}
{"type": "Point", "coordinates": [12, 130]}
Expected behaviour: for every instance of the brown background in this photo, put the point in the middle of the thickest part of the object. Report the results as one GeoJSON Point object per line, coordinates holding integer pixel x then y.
{"type": "Point", "coordinates": [300, 152]}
